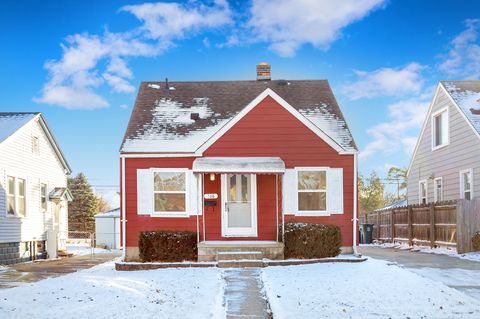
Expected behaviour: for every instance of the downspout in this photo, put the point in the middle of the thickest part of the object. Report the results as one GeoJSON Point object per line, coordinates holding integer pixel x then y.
{"type": "Point", "coordinates": [355, 201]}
{"type": "Point", "coordinates": [276, 201]}
{"type": "Point", "coordinates": [124, 224]}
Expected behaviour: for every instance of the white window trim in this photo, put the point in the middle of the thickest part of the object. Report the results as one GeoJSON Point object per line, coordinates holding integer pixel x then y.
{"type": "Point", "coordinates": [420, 191]}
{"type": "Point", "coordinates": [462, 191]}
{"type": "Point", "coordinates": [435, 197]}
{"type": "Point", "coordinates": [432, 121]}
{"type": "Point", "coordinates": [187, 195]}
{"type": "Point", "coordinates": [16, 178]}
{"type": "Point", "coordinates": [37, 151]}
{"type": "Point", "coordinates": [311, 212]}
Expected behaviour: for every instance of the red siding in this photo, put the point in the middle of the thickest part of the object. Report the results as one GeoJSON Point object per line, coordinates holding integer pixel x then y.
{"type": "Point", "coordinates": [270, 130]}
{"type": "Point", "coordinates": [267, 130]}
{"type": "Point", "coordinates": [138, 223]}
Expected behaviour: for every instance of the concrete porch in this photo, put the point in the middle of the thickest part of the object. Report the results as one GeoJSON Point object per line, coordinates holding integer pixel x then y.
{"type": "Point", "coordinates": [237, 250]}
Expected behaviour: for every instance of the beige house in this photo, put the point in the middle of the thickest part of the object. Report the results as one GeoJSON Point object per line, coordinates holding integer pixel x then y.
{"type": "Point", "coordinates": [33, 189]}
{"type": "Point", "coordinates": [446, 161]}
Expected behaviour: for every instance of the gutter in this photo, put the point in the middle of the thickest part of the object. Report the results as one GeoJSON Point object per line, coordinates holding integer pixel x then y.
{"type": "Point", "coordinates": [124, 225]}
{"type": "Point", "coordinates": [355, 203]}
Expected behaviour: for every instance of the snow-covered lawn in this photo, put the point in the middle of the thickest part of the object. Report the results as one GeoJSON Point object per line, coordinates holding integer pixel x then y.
{"type": "Point", "coordinates": [371, 289]}
{"type": "Point", "coordinates": [102, 292]}
{"type": "Point", "coordinates": [85, 249]}
{"type": "Point", "coordinates": [452, 252]}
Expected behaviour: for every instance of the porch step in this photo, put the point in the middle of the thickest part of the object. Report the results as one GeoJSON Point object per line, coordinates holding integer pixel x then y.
{"type": "Point", "coordinates": [239, 263]}
{"type": "Point", "coordinates": [239, 250]}
{"type": "Point", "coordinates": [239, 255]}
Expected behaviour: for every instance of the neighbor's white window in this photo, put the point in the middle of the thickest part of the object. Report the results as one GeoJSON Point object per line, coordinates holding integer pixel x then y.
{"type": "Point", "coordinates": [16, 196]}
{"type": "Point", "coordinates": [11, 195]}
{"type": "Point", "coordinates": [43, 196]}
{"type": "Point", "coordinates": [312, 190]}
{"type": "Point", "coordinates": [438, 189]}
{"type": "Point", "coordinates": [466, 184]}
{"type": "Point", "coordinates": [440, 128]}
{"type": "Point", "coordinates": [169, 192]}
{"type": "Point", "coordinates": [422, 189]}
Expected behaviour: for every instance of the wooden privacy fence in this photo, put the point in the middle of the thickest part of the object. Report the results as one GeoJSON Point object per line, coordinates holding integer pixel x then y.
{"type": "Point", "coordinates": [433, 225]}
{"type": "Point", "coordinates": [450, 223]}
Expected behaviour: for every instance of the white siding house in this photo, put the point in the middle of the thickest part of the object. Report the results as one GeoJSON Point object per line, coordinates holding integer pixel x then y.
{"type": "Point", "coordinates": [33, 189]}
{"type": "Point", "coordinates": [446, 161]}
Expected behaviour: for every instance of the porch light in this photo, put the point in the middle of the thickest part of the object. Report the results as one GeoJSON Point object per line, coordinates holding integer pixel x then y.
{"type": "Point", "coordinates": [212, 177]}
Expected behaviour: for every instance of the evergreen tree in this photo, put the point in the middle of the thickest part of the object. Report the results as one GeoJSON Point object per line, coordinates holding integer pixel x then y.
{"type": "Point", "coordinates": [370, 193]}
{"type": "Point", "coordinates": [82, 210]}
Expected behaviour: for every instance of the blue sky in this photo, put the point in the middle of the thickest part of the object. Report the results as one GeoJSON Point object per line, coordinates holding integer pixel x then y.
{"type": "Point", "coordinates": [80, 62]}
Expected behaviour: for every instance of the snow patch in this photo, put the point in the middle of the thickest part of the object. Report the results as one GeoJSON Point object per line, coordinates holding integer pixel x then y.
{"type": "Point", "coordinates": [85, 249]}
{"type": "Point", "coordinates": [102, 292]}
{"type": "Point", "coordinates": [371, 289]}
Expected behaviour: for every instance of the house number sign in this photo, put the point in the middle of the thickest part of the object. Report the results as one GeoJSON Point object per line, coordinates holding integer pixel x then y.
{"type": "Point", "coordinates": [210, 196]}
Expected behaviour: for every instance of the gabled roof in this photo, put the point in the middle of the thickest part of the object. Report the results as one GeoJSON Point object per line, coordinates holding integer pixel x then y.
{"type": "Point", "coordinates": [161, 121]}
{"type": "Point", "coordinates": [11, 122]}
{"type": "Point", "coordinates": [61, 193]}
{"type": "Point", "coordinates": [466, 95]}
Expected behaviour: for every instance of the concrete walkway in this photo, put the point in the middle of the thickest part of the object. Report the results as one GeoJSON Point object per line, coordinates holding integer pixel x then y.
{"type": "Point", "coordinates": [461, 274]}
{"type": "Point", "coordinates": [243, 294]}
{"type": "Point", "coordinates": [16, 275]}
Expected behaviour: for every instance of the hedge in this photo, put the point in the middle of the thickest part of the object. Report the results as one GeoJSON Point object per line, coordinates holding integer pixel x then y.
{"type": "Point", "coordinates": [168, 246]}
{"type": "Point", "coordinates": [304, 240]}
{"type": "Point", "coordinates": [476, 241]}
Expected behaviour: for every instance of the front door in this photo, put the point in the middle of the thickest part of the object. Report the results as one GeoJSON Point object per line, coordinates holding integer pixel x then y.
{"type": "Point", "coordinates": [239, 217]}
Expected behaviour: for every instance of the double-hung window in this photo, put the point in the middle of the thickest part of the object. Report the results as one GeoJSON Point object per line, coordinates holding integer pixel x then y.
{"type": "Point", "coordinates": [422, 190]}
{"type": "Point", "coordinates": [466, 184]}
{"type": "Point", "coordinates": [169, 192]}
{"type": "Point", "coordinates": [438, 189]}
{"type": "Point", "coordinates": [312, 190]}
{"type": "Point", "coordinates": [16, 196]}
{"type": "Point", "coordinates": [440, 129]}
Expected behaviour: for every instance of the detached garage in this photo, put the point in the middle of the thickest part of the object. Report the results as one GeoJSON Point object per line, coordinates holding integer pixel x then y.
{"type": "Point", "coordinates": [107, 229]}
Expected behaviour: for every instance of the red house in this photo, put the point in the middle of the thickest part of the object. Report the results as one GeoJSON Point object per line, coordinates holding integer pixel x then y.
{"type": "Point", "coordinates": [235, 160]}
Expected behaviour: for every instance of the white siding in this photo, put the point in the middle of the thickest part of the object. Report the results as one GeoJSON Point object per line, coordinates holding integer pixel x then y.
{"type": "Point", "coordinates": [463, 152]}
{"type": "Point", "coordinates": [17, 159]}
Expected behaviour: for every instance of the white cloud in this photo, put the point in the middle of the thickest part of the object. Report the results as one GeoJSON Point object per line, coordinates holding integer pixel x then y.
{"type": "Point", "coordinates": [288, 24]}
{"type": "Point", "coordinates": [90, 61]}
{"type": "Point", "coordinates": [173, 20]}
{"type": "Point", "coordinates": [463, 58]}
{"type": "Point", "coordinates": [386, 82]}
{"type": "Point", "coordinates": [400, 133]}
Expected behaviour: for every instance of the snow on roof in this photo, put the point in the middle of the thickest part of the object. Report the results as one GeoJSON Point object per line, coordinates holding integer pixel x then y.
{"type": "Point", "coordinates": [466, 95]}
{"type": "Point", "coordinates": [111, 213]}
{"type": "Point", "coordinates": [11, 122]}
{"type": "Point", "coordinates": [330, 124]}
{"type": "Point", "coordinates": [239, 164]}
{"type": "Point", "coordinates": [172, 127]}
{"type": "Point", "coordinates": [163, 120]}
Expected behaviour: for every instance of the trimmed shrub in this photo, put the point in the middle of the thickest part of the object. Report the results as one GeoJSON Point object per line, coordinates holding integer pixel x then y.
{"type": "Point", "coordinates": [304, 240]}
{"type": "Point", "coordinates": [476, 241]}
{"type": "Point", "coordinates": [168, 246]}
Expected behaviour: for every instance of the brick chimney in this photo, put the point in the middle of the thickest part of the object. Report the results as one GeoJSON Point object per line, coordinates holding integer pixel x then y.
{"type": "Point", "coordinates": [263, 72]}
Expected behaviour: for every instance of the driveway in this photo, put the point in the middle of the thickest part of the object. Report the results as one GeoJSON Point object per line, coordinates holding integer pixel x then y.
{"type": "Point", "coordinates": [461, 274]}
{"type": "Point", "coordinates": [16, 275]}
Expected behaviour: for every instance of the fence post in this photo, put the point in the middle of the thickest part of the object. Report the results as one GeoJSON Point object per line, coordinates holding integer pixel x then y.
{"type": "Point", "coordinates": [378, 225]}
{"type": "Point", "coordinates": [432, 225]}
{"type": "Point", "coordinates": [410, 225]}
{"type": "Point", "coordinates": [393, 225]}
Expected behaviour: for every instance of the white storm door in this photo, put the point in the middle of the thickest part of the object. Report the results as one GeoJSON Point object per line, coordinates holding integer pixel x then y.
{"type": "Point", "coordinates": [239, 217]}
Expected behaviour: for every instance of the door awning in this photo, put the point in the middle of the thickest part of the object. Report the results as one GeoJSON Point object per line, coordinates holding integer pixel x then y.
{"type": "Point", "coordinates": [238, 165]}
